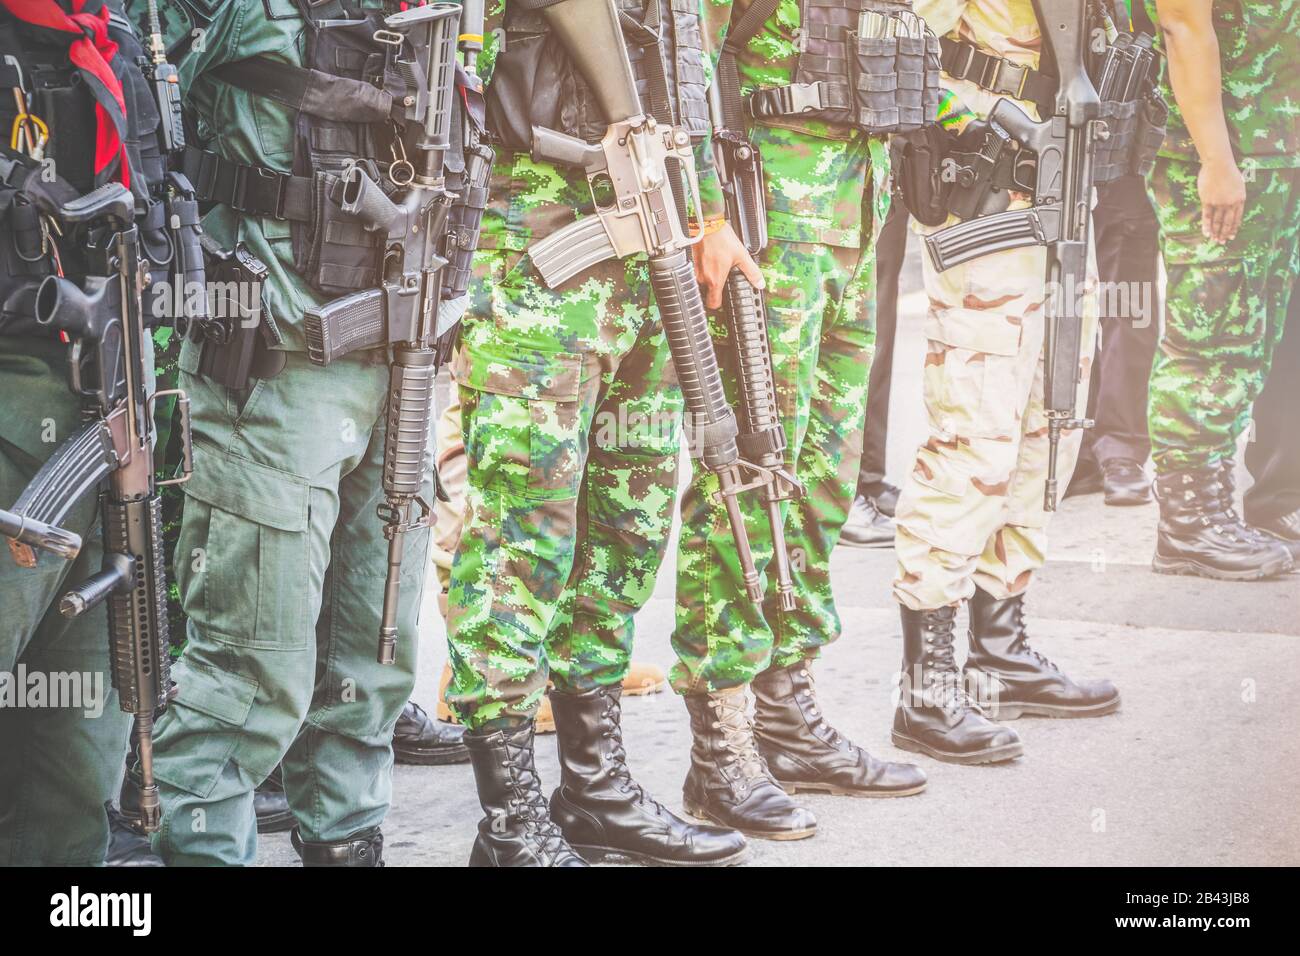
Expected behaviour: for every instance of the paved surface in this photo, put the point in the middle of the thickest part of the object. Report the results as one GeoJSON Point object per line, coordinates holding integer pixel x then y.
{"type": "Point", "coordinates": [1202, 765]}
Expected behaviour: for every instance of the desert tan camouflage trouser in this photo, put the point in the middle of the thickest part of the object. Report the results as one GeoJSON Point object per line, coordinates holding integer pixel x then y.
{"type": "Point", "coordinates": [971, 512]}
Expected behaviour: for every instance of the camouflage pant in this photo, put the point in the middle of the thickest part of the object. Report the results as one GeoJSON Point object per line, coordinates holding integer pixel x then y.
{"type": "Point", "coordinates": [821, 322]}
{"type": "Point", "coordinates": [1226, 306]}
{"type": "Point", "coordinates": [571, 418]}
{"type": "Point", "coordinates": [971, 512]}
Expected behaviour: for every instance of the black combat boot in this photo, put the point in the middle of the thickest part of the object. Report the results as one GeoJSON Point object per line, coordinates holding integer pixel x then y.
{"type": "Point", "coordinates": [1014, 679]}
{"type": "Point", "coordinates": [516, 829]}
{"type": "Point", "coordinates": [363, 848]}
{"type": "Point", "coordinates": [728, 782]}
{"type": "Point", "coordinates": [419, 739]}
{"type": "Point", "coordinates": [805, 753]}
{"type": "Point", "coordinates": [935, 715]}
{"type": "Point", "coordinates": [271, 806]}
{"type": "Point", "coordinates": [603, 812]}
{"type": "Point", "coordinates": [1200, 532]}
{"type": "Point", "coordinates": [127, 846]}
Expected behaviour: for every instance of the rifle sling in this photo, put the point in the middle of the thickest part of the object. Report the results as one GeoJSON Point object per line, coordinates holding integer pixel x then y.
{"type": "Point", "coordinates": [728, 78]}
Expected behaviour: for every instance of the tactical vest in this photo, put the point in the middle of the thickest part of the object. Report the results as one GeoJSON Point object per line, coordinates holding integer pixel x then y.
{"type": "Point", "coordinates": [36, 60]}
{"type": "Point", "coordinates": [348, 96]}
{"type": "Point", "coordinates": [534, 83]}
{"type": "Point", "coordinates": [849, 75]}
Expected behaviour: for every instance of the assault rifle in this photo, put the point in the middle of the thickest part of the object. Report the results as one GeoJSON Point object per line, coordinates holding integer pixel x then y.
{"type": "Point", "coordinates": [1063, 145]}
{"type": "Point", "coordinates": [639, 174]}
{"type": "Point", "coordinates": [403, 312]}
{"type": "Point", "coordinates": [113, 450]}
{"type": "Point", "coordinates": [761, 438]}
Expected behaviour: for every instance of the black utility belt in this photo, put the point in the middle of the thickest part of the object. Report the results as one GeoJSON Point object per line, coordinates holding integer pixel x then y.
{"type": "Point", "coordinates": [965, 61]}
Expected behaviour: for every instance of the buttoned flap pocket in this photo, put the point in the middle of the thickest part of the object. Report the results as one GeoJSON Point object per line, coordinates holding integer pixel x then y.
{"type": "Point", "coordinates": [209, 713]}
{"type": "Point", "coordinates": [242, 564]}
{"type": "Point", "coordinates": [1223, 309]}
{"type": "Point", "coordinates": [522, 427]}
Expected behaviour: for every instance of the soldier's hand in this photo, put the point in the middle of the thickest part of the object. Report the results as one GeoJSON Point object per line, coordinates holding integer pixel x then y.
{"type": "Point", "coordinates": [715, 256]}
{"type": "Point", "coordinates": [1222, 189]}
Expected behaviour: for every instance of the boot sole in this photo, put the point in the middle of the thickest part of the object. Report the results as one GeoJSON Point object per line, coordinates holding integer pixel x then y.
{"type": "Point", "coordinates": [432, 759]}
{"type": "Point", "coordinates": [607, 854]}
{"type": "Point", "coordinates": [704, 816]}
{"type": "Point", "coordinates": [988, 755]}
{"type": "Point", "coordinates": [792, 787]}
{"type": "Point", "coordinates": [868, 545]}
{"type": "Point", "coordinates": [1016, 711]}
{"type": "Point", "coordinates": [1162, 565]}
{"type": "Point", "coordinates": [276, 823]}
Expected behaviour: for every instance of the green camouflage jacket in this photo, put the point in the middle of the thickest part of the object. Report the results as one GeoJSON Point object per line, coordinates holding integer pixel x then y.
{"type": "Point", "coordinates": [1259, 53]}
{"type": "Point", "coordinates": [816, 172]}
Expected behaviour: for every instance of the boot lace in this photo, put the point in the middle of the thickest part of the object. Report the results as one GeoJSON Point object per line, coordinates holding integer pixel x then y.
{"type": "Point", "coordinates": [738, 735]}
{"type": "Point", "coordinates": [528, 806]}
{"type": "Point", "coordinates": [1024, 641]}
{"type": "Point", "coordinates": [615, 758]}
{"type": "Point", "coordinates": [944, 687]}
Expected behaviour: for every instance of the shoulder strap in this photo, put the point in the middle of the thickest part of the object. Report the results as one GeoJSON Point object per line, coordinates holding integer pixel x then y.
{"type": "Point", "coordinates": [308, 91]}
{"type": "Point", "coordinates": [728, 79]}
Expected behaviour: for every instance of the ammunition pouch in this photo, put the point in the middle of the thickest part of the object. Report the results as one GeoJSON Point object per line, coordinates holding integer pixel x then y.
{"type": "Point", "coordinates": [238, 333]}
{"type": "Point", "coordinates": [849, 75]}
{"type": "Point", "coordinates": [1132, 108]}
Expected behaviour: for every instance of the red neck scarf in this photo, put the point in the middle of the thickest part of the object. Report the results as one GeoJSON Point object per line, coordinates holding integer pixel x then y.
{"type": "Point", "coordinates": [90, 52]}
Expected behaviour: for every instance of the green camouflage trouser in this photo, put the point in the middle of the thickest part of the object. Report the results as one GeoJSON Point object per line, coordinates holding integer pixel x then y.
{"type": "Point", "coordinates": [60, 759]}
{"type": "Point", "coordinates": [280, 564]}
{"type": "Point", "coordinates": [571, 415]}
{"type": "Point", "coordinates": [1225, 310]}
{"type": "Point", "coordinates": [971, 512]}
{"type": "Point", "coordinates": [821, 323]}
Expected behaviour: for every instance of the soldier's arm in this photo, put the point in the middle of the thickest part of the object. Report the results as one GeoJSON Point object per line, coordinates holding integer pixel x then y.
{"type": "Point", "coordinates": [940, 15]}
{"type": "Point", "coordinates": [720, 250]}
{"type": "Point", "coordinates": [1197, 82]}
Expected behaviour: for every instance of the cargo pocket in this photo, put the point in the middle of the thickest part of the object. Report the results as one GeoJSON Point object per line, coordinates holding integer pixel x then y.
{"type": "Point", "coordinates": [244, 548]}
{"type": "Point", "coordinates": [526, 436]}
{"type": "Point", "coordinates": [971, 378]}
{"type": "Point", "coordinates": [1215, 308]}
{"type": "Point", "coordinates": [210, 708]}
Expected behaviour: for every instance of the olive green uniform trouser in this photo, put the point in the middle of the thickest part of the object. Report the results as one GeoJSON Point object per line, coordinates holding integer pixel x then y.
{"type": "Point", "coordinates": [58, 764]}
{"type": "Point", "coordinates": [281, 562]}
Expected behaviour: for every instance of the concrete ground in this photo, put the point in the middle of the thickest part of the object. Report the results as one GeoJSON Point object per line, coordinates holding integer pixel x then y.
{"type": "Point", "coordinates": [1200, 767]}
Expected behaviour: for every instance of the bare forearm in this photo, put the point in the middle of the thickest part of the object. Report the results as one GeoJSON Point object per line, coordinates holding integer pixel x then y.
{"type": "Point", "coordinates": [1195, 76]}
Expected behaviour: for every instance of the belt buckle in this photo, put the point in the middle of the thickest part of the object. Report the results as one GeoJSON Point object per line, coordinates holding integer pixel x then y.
{"type": "Point", "coordinates": [805, 97]}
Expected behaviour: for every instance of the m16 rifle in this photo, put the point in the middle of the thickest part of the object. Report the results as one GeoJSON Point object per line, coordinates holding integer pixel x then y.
{"type": "Point", "coordinates": [640, 174]}
{"type": "Point", "coordinates": [1063, 146]}
{"type": "Point", "coordinates": [402, 313]}
{"type": "Point", "coordinates": [113, 450]}
{"type": "Point", "coordinates": [761, 438]}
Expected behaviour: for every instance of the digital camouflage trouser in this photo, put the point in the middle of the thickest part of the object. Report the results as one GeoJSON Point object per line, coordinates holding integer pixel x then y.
{"type": "Point", "coordinates": [1225, 310]}
{"type": "Point", "coordinates": [971, 512]}
{"type": "Point", "coordinates": [280, 564]}
{"type": "Point", "coordinates": [571, 415]}
{"type": "Point", "coordinates": [820, 306]}
{"type": "Point", "coordinates": [59, 759]}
